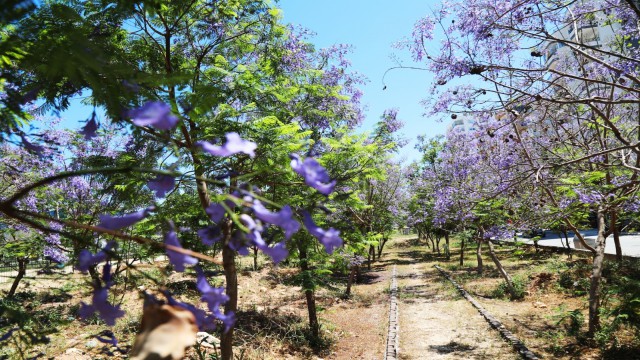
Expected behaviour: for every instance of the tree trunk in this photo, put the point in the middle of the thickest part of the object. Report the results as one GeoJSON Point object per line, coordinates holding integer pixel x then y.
{"type": "Point", "coordinates": [479, 257]}
{"type": "Point", "coordinates": [309, 292]}
{"type": "Point", "coordinates": [566, 236]}
{"type": "Point", "coordinates": [352, 275]}
{"type": "Point", "coordinates": [447, 252]}
{"type": "Point", "coordinates": [381, 246]}
{"type": "Point", "coordinates": [503, 272]}
{"type": "Point", "coordinates": [616, 234]}
{"type": "Point", "coordinates": [231, 278]}
{"type": "Point", "coordinates": [255, 258]}
{"type": "Point", "coordinates": [438, 238]}
{"type": "Point", "coordinates": [95, 275]}
{"type": "Point", "coordinates": [596, 276]}
{"type": "Point", "coordinates": [22, 270]}
{"type": "Point", "coordinates": [433, 243]}
{"type": "Point", "coordinates": [462, 252]}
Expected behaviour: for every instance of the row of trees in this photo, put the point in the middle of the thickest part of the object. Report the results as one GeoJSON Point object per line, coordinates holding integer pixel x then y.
{"type": "Point", "coordinates": [224, 130]}
{"type": "Point", "coordinates": [552, 89]}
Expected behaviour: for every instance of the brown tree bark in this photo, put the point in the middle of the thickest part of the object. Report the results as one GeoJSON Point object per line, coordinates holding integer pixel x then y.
{"type": "Point", "coordinates": [479, 256]}
{"type": "Point", "coordinates": [503, 272]}
{"type": "Point", "coordinates": [462, 252]}
{"type": "Point", "coordinates": [615, 230]}
{"type": "Point", "coordinates": [309, 292]}
{"type": "Point", "coordinates": [596, 276]}
{"type": "Point", "coordinates": [22, 270]}
{"type": "Point", "coordinates": [448, 249]}
{"type": "Point", "coordinates": [231, 278]}
{"type": "Point", "coordinates": [352, 275]}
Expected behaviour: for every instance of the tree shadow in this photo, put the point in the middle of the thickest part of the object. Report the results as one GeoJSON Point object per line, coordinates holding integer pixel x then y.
{"type": "Point", "coordinates": [451, 347]}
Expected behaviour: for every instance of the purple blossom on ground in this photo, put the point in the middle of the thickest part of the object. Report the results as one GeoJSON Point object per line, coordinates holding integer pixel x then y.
{"type": "Point", "coordinates": [162, 184]}
{"type": "Point", "coordinates": [155, 114]}
{"type": "Point", "coordinates": [118, 222]}
{"type": "Point", "coordinates": [329, 238]}
{"type": "Point", "coordinates": [178, 260]}
{"type": "Point", "coordinates": [282, 218]}
{"type": "Point", "coordinates": [234, 145]}
{"type": "Point", "coordinates": [313, 173]}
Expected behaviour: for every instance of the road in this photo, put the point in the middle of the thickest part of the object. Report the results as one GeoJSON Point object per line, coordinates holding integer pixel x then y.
{"type": "Point", "coordinates": [630, 242]}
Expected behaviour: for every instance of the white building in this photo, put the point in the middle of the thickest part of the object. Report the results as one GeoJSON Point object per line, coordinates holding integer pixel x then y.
{"type": "Point", "coordinates": [462, 123]}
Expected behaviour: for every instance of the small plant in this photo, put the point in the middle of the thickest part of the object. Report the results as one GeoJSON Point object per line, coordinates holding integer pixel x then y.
{"type": "Point", "coordinates": [519, 286]}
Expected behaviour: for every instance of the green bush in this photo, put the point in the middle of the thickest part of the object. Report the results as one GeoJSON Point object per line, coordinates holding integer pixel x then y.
{"type": "Point", "coordinates": [519, 286]}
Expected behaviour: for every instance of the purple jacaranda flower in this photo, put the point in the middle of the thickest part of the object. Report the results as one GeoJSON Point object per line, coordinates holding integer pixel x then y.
{"type": "Point", "coordinates": [255, 230]}
{"type": "Point", "coordinates": [234, 145]}
{"type": "Point", "coordinates": [107, 312]}
{"type": "Point", "coordinates": [178, 260]}
{"type": "Point", "coordinates": [313, 173]}
{"type": "Point", "coordinates": [100, 304]}
{"type": "Point", "coordinates": [37, 149]}
{"type": "Point", "coordinates": [118, 222]}
{"type": "Point", "coordinates": [204, 321]}
{"type": "Point", "coordinates": [329, 238]}
{"type": "Point", "coordinates": [238, 244]}
{"type": "Point", "coordinates": [277, 253]}
{"type": "Point", "coordinates": [155, 114]}
{"type": "Point", "coordinates": [228, 320]}
{"type": "Point", "coordinates": [162, 184]}
{"type": "Point", "coordinates": [282, 218]}
{"type": "Point", "coordinates": [214, 297]}
{"type": "Point", "coordinates": [210, 235]}
{"type": "Point", "coordinates": [215, 212]}
{"type": "Point", "coordinates": [90, 128]}
{"type": "Point", "coordinates": [86, 259]}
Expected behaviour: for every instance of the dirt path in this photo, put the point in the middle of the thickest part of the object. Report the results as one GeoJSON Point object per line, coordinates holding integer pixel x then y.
{"type": "Point", "coordinates": [435, 322]}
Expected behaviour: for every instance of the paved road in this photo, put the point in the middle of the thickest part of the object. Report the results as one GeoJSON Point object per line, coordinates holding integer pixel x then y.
{"type": "Point", "coordinates": [630, 242]}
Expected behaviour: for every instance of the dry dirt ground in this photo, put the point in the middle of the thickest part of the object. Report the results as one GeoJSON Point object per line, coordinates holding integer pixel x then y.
{"type": "Point", "coordinates": [435, 322]}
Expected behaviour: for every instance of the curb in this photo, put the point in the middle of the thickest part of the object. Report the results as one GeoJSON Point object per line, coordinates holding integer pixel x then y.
{"type": "Point", "coordinates": [506, 334]}
{"type": "Point", "coordinates": [391, 352]}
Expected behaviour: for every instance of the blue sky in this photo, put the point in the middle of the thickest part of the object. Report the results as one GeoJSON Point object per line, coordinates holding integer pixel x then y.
{"type": "Point", "coordinates": [372, 27]}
